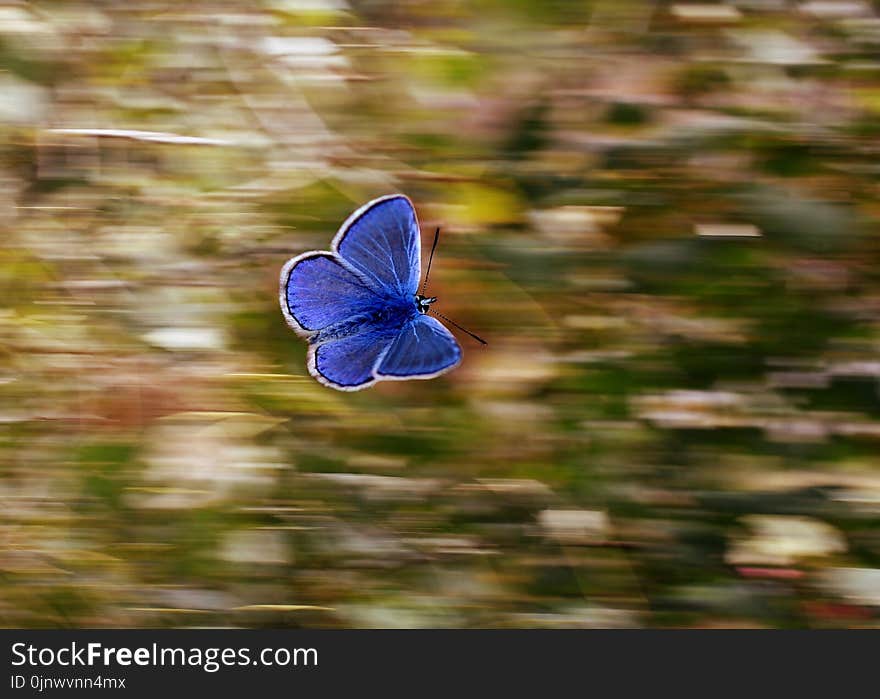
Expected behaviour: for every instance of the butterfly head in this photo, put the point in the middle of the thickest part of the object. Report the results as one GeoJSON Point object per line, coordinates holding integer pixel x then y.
{"type": "Point", "coordinates": [423, 303]}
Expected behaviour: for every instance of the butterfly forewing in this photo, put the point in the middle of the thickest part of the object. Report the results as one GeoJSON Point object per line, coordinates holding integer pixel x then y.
{"type": "Point", "coordinates": [381, 241]}
{"type": "Point", "coordinates": [320, 292]}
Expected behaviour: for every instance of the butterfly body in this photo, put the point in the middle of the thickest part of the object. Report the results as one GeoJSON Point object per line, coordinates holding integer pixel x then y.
{"type": "Point", "coordinates": [358, 304]}
{"type": "Point", "coordinates": [423, 303]}
{"type": "Point", "coordinates": [390, 315]}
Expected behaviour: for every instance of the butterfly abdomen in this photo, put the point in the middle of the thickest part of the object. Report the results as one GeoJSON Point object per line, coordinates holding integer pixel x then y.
{"type": "Point", "coordinates": [390, 317]}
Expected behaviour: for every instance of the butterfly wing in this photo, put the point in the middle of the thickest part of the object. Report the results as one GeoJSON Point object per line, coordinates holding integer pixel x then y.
{"type": "Point", "coordinates": [348, 363]}
{"type": "Point", "coordinates": [422, 349]}
{"type": "Point", "coordinates": [318, 291]}
{"type": "Point", "coordinates": [381, 242]}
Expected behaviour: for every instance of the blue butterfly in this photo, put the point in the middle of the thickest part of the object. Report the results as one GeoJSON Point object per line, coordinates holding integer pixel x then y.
{"type": "Point", "coordinates": [359, 304]}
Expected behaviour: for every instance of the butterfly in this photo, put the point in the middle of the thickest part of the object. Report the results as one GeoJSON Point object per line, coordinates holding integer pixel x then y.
{"type": "Point", "coordinates": [359, 304]}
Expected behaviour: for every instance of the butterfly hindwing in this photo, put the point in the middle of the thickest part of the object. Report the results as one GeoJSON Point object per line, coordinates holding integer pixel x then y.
{"type": "Point", "coordinates": [348, 363]}
{"type": "Point", "coordinates": [381, 241]}
{"type": "Point", "coordinates": [422, 349]}
{"type": "Point", "coordinates": [318, 291]}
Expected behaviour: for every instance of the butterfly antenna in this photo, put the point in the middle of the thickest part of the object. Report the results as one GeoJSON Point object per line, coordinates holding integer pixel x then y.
{"type": "Point", "coordinates": [464, 330]}
{"type": "Point", "coordinates": [430, 260]}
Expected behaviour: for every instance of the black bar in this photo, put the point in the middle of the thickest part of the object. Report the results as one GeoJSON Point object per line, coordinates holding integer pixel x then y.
{"type": "Point", "coordinates": [409, 663]}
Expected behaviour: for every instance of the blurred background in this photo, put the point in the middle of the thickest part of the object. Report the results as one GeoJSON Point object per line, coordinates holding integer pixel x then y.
{"type": "Point", "coordinates": [662, 216]}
